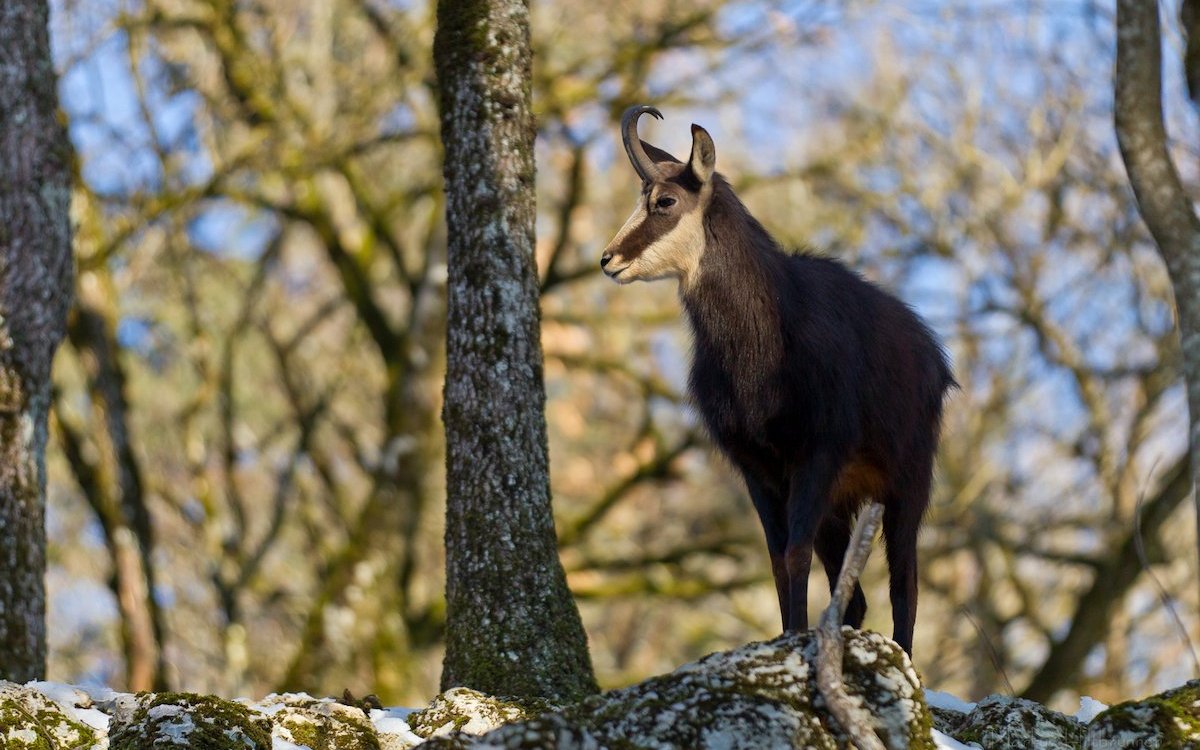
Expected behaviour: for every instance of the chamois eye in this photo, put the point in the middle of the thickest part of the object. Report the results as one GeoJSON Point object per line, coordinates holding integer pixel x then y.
{"type": "Point", "coordinates": [665, 202]}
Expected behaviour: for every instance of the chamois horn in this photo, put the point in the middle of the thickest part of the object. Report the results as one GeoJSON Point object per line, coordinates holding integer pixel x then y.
{"type": "Point", "coordinates": [646, 169]}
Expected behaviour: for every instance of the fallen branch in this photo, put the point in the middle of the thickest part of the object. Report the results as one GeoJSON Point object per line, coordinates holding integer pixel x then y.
{"type": "Point", "coordinates": [852, 719]}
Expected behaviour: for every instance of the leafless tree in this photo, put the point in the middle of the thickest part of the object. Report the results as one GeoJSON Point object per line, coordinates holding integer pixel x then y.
{"type": "Point", "coordinates": [1164, 204]}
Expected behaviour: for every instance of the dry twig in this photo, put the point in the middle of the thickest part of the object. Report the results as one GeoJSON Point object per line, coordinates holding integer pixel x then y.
{"type": "Point", "coordinates": [853, 720]}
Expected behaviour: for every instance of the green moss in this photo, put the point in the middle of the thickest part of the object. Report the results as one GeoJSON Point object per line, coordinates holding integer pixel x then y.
{"type": "Point", "coordinates": [31, 721]}
{"type": "Point", "coordinates": [547, 668]}
{"type": "Point", "coordinates": [188, 720]}
{"type": "Point", "coordinates": [467, 22]}
{"type": "Point", "coordinates": [1168, 719]}
{"type": "Point", "coordinates": [321, 724]}
{"type": "Point", "coordinates": [325, 732]}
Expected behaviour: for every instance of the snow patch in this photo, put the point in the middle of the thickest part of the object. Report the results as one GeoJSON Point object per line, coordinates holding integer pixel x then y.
{"type": "Point", "coordinates": [67, 695]}
{"type": "Point", "coordinates": [378, 714]}
{"type": "Point", "coordinates": [946, 742]}
{"type": "Point", "coordinates": [391, 723]}
{"type": "Point", "coordinates": [273, 703]}
{"type": "Point", "coordinates": [77, 702]}
{"type": "Point", "coordinates": [397, 727]}
{"type": "Point", "coordinates": [937, 699]}
{"type": "Point", "coordinates": [92, 717]}
{"type": "Point", "coordinates": [1089, 708]}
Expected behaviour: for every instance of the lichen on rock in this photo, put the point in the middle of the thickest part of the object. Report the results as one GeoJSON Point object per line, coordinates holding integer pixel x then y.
{"type": "Point", "coordinates": [165, 720]}
{"type": "Point", "coordinates": [947, 720]}
{"type": "Point", "coordinates": [31, 721]}
{"type": "Point", "coordinates": [760, 695]}
{"type": "Point", "coordinates": [1000, 722]}
{"type": "Point", "coordinates": [318, 723]}
{"type": "Point", "coordinates": [1169, 719]}
{"type": "Point", "coordinates": [472, 712]}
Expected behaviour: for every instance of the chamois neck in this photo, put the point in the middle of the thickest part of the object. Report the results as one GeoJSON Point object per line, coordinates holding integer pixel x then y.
{"type": "Point", "coordinates": [738, 252]}
{"type": "Point", "coordinates": [732, 303]}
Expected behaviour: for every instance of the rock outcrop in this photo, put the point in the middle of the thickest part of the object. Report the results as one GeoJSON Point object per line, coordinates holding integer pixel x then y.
{"type": "Point", "coordinates": [1005, 722]}
{"type": "Point", "coordinates": [1169, 719]}
{"type": "Point", "coordinates": [762, 695]}
{"type": "Point", "coordinates": [466, 711]}
{"type": "Point", "coordinates": [318, 723]}
{"type": "Point", "coordinates": [186, 720]}
{"type": "Point", "coordinates": [30, 719]}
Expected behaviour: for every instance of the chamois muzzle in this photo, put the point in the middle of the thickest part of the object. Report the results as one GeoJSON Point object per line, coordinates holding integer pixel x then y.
{"type": "Point", "coordinates": [646, 169]}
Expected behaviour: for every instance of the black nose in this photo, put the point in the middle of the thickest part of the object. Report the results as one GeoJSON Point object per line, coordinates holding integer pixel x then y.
{"type": "Point", "coordinates": [604, 259]}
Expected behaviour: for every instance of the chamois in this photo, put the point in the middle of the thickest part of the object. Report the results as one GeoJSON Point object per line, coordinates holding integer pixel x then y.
{"type": "Point", "coordinates": [822, 389]}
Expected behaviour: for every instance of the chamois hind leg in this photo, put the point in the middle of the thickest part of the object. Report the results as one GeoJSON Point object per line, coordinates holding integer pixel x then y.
{"type": "Point", "coordinates": [833, 537]}
{"type": "Point", "coordinates": [772, 509]}
{"type": "Point", "coordinates": [904, 506]}
{"type": "Point", "coordinates": [808, 503]}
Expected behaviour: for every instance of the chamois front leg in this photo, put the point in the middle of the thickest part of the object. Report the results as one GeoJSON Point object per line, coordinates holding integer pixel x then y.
{"type": "Point", "coordinates": [807, 505]}
{"type": "Point", "coordinates": [772, 512]}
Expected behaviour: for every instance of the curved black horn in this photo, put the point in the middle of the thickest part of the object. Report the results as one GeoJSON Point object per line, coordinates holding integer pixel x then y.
{"type": "Point", "coordinates": [646, 169]}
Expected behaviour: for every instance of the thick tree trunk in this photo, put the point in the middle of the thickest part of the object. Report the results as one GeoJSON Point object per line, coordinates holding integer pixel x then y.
{"type": "Point", "coordinates": [35, 292]}
{"type": "Point", "coordinates": [1164, 206]}
{"type": "Point", "coordinates": [512, 627]}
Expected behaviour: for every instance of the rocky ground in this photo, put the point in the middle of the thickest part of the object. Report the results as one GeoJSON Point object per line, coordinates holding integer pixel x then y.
{"type": "Point", "coordinates": [762, 695]}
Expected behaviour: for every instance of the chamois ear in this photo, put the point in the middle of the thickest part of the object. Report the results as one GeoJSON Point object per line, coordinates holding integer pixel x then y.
{"type": "Point", "coordinates": [704, 155]}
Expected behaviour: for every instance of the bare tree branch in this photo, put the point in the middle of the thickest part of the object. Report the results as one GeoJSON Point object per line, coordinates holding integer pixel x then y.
{"type": "Point", "coordinates": [855, 722]}
{"type": "Point", "coordinates": [1164, 204]}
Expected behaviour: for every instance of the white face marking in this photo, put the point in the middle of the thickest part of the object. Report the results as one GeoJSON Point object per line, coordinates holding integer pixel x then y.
{"type": "Point", "coordinates": [675, 254]}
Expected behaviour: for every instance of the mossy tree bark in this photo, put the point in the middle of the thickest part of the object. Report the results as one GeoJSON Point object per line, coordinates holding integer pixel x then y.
{"type": "Point", "coordinates": [512, 627]}
{"type": "Point", "coordinates": [1164, 205]}
{"type": "Point", "coordinates": [35, 291]}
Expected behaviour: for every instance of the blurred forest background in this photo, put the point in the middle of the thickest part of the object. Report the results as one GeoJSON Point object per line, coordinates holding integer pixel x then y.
{"type": "Point", "coordinates": [246, 470]}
